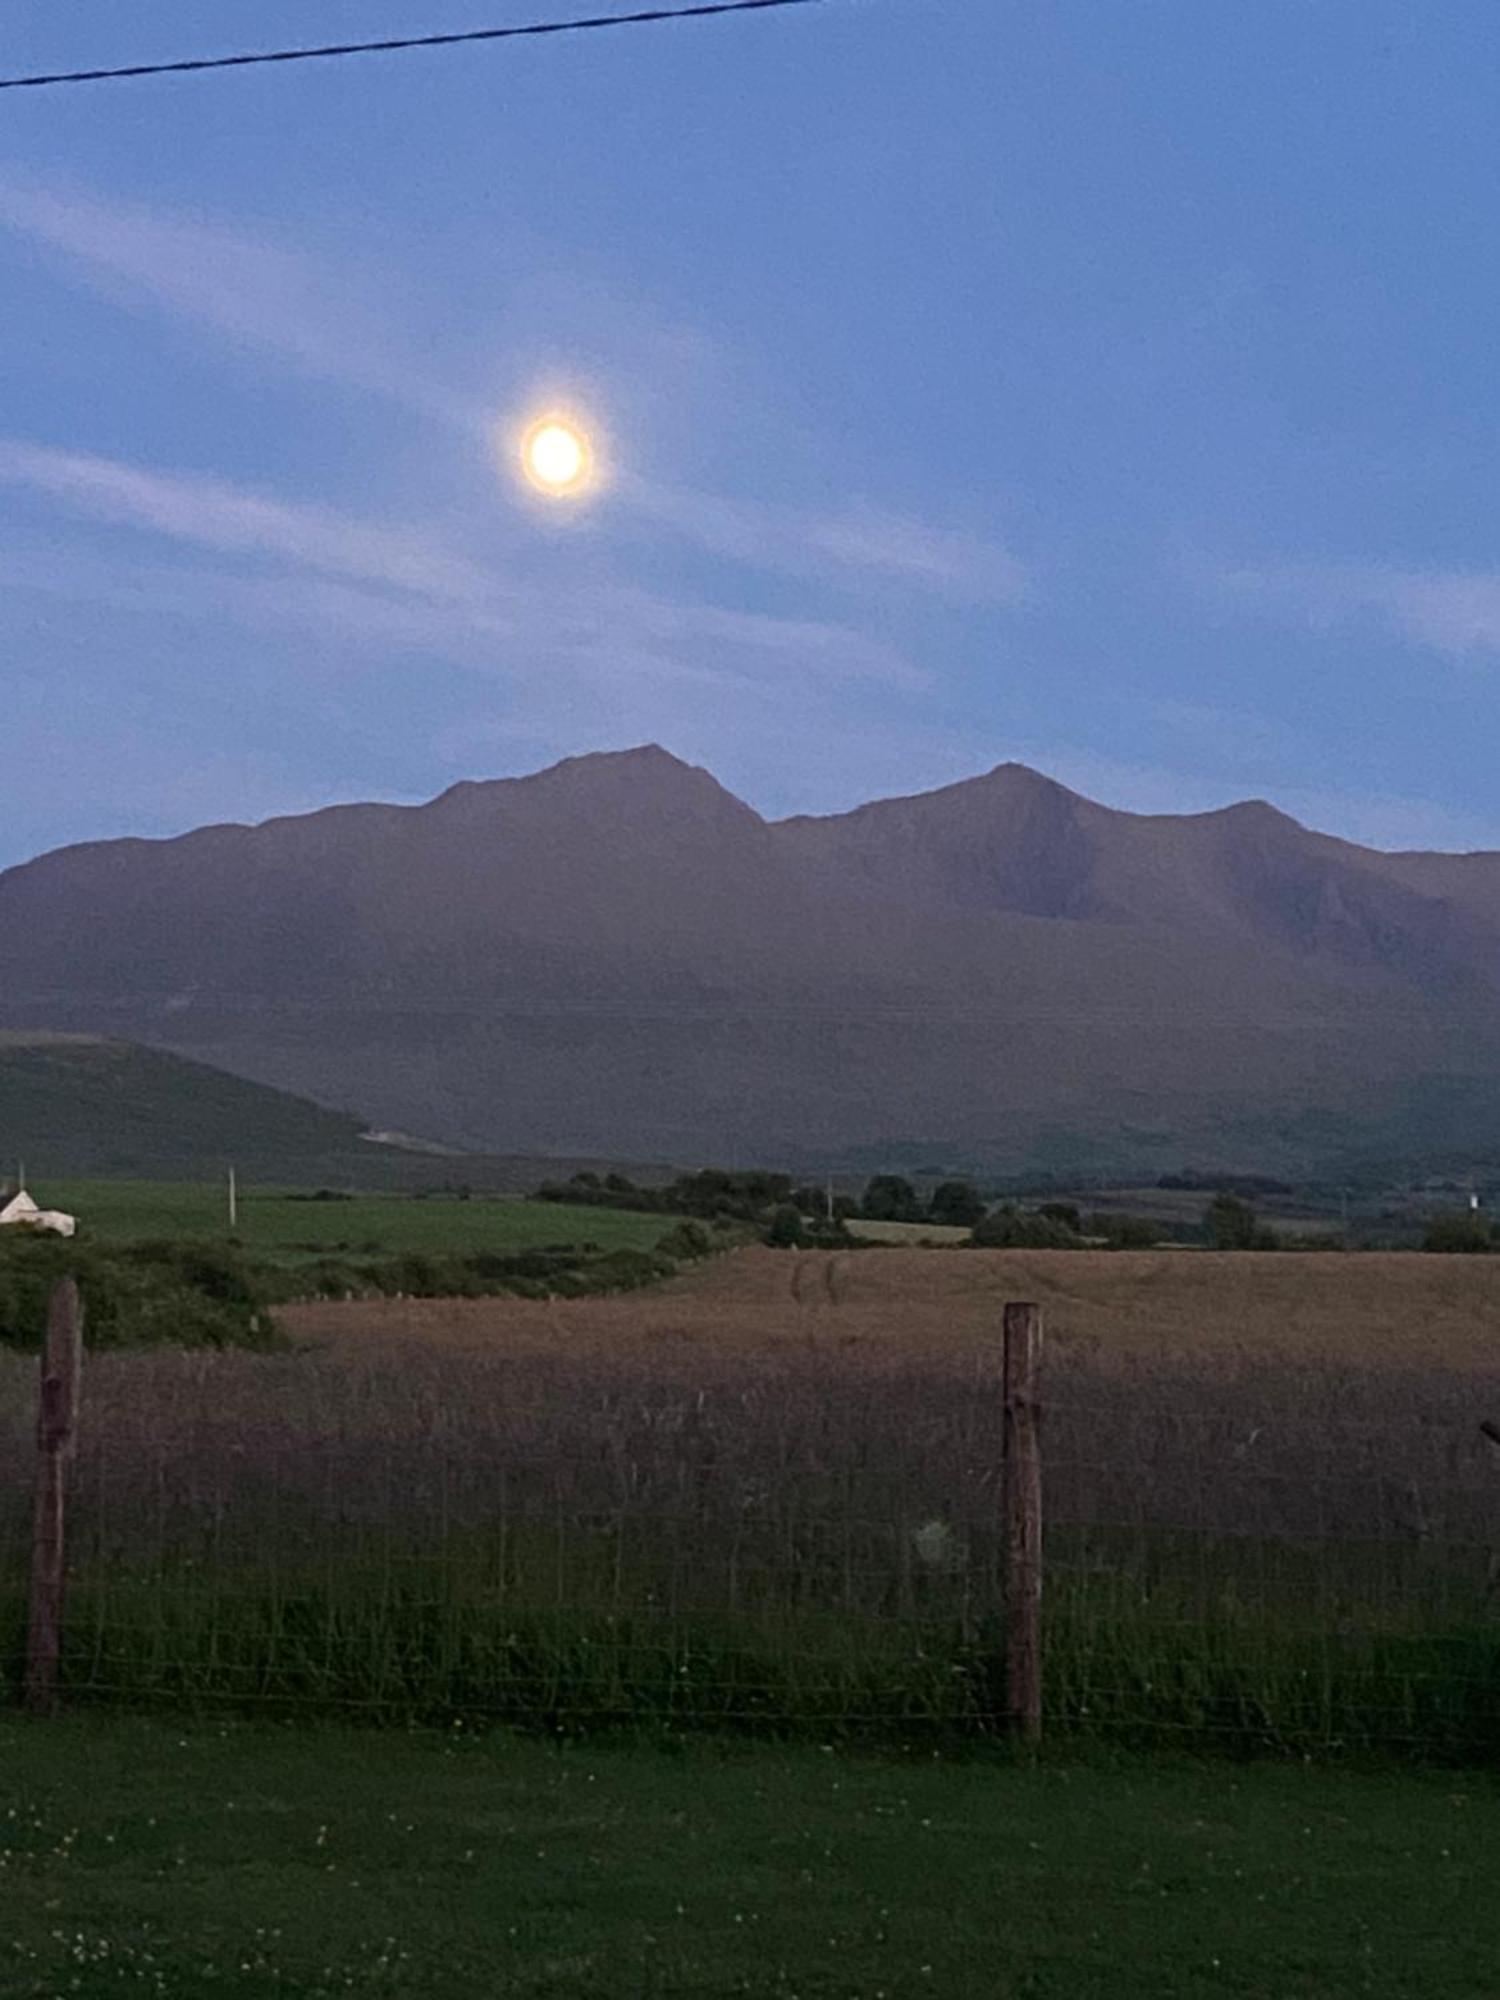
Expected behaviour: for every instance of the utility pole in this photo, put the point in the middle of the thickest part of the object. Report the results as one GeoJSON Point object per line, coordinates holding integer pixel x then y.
{"type": "Point", "coordinates": [234, 1204]}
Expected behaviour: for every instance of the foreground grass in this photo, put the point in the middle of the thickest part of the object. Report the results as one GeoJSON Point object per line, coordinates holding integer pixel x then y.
{"type": "Point", "coordinates": [276, 1223]}
{"type": "Point", "coordinates": [186, 1861]}
{"type": "Point", "coordinates": [404, 1640]}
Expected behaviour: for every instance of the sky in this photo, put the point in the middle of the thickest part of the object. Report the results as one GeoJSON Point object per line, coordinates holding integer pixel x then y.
{"type": "Point", "coordinates": [1110, 388]}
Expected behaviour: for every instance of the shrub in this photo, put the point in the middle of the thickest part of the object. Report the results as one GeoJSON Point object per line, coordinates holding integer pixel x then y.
{"type": "Point", "coordinates": [787, 1229]}
{"type": "Point", "coordinates": [1011, 1228]}
{"type": "Point", "coordinates": [186, 1295]}
{"type": "Point", "coordinates": [1462, 1234]}
{"type": "Point", "coordinates": [686, 1243]}
{"type": "Point", "coordinates": [1064, 1212]}
{"type": "Point", "coordinates": [1125, 1232]}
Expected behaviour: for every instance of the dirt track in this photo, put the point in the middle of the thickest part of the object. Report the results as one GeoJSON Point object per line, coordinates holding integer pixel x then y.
{"type": "Point", "coordinates": [1404, 1310]}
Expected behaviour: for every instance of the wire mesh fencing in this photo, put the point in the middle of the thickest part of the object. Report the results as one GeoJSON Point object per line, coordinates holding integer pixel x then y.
{"type": "Point", "coordinates": [1250, 1556]}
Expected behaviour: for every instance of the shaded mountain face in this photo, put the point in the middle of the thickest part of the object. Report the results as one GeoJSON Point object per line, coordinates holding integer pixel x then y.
{"type": "Point", "coordinates": [1016, 841]}
{"type": "Point", "coordinates": [616, 955]}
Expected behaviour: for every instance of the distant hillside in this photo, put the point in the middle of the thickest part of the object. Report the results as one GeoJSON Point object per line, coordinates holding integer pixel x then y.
{"type": "Point", "coordinates": [74, 1104]}
{"type": "Point", "coordinates": [617, 958]}
{"type": "Point", "coordinates": [79, 1105]}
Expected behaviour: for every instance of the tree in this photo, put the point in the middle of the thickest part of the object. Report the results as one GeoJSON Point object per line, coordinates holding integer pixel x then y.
{"type": "Point", "coordinates": [787, 1230]}
{"type": "Point", "coordinates": [957, 1204]}
{"type": "Point", "coordinates": [889, 1198]}
{"type": "Point", "coordinates": [1232, 1224]}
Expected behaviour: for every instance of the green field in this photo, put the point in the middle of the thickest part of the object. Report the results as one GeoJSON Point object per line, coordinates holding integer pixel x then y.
{"type": "Point", "coordinates": [183, 1861]}
{"type": "Point", "coordinates": [279, 1223]}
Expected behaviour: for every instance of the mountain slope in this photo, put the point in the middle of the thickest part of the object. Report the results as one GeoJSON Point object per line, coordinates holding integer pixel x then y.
{"type": "Point", "coordinates": [1015, 840]}
{"type": "Point", "coordinates": [616, 956]}
{"type": "Point", "coordinates": [77, 1104]}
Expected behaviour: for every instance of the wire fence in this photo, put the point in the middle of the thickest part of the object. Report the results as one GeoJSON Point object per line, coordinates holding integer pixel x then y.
{"type": "Point", "coordinates": [1291, 1558]}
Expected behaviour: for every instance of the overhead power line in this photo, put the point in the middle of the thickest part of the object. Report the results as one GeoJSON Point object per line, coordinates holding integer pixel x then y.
{"type": "Point", "coordinates": [698, 12]}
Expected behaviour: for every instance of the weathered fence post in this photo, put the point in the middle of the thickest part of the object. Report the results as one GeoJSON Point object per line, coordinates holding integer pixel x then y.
{"type": "Point", "coordinates": [57, 1416]}
{"type": "Point", "coordinates": [1022, 1501]}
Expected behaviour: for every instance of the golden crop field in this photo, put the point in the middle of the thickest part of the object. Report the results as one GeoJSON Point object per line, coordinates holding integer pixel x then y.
{"type": "Point", "coordinates": [903, 1307]}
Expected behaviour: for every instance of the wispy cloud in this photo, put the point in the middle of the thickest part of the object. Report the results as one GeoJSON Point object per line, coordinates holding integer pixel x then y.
{"type": "Point", "coordinates": [405, 587]}
{"type": "Point", "coordinates": [214, 514]}
{"type": "Point", "coordinates": [863, 540]}
{"type": "Point", "coordinates": [1453, 612]}
{"type": "Point", "coordinates": [315, 317]}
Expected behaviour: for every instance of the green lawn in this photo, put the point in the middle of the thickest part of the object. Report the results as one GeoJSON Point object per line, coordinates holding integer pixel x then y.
{"type": "Point", "coordinates": [144, 1857]}
{"type": "Point", "coordinates": [272, 1223]}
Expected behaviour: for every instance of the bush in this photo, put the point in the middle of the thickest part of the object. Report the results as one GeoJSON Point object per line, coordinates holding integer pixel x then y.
{"type": "Point", "coordinates": [187, 1295]}
{"type": "Point", "coordinates": [1015, 1229]}
{"type": "Point", "coordinates": [686, 1243]}
{"type": "Point", "coordinates": [1064, 1212]}
{"type": "Point", "coordinates": [787, 1230]}
{"type": "Point", "coordinates": [708, 1195]}
{"type": "Point", "coordinates": [1125, 1232]}
{"type": "Point", "coordinates": [195, 1294]}
{"type": "Point", "coordinates": [1461, 1234]}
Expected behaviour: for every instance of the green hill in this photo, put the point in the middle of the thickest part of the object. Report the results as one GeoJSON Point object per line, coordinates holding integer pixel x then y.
{"type": "Point", "coordinates": [83, 1106]}
{"type": "Point", "coordinates": [76, 1104]}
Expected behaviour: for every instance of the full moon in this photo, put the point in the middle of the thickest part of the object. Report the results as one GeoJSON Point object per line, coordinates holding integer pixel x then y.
{"type": "Point", "coordinates": [556, 458]}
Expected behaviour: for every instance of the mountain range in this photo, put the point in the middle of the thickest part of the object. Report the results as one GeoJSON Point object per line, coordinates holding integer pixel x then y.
{"type": "Point", "coordinates": [617, 957]}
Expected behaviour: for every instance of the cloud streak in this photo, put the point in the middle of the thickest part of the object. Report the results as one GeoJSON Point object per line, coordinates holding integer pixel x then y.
{"type": "Point", "coordinates": [1452, 612]}
{"type": "Point", "coordinates": [863, 540]}
{"type": "Point", "coordinates": [316, 320]}
{"type": "Point", "coordinates": [251, 293]}
{"type": "Point", "coordinates": [405, 588]}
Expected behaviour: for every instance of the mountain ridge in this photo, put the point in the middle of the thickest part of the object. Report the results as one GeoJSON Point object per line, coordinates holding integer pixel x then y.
{"type": "Point", "coordinates": [616, 955]}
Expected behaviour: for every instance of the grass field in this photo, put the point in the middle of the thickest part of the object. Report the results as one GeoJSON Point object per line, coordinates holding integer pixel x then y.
{"type": "Point", "coordinates": [765, 1497]}
{"type": "Point", "coordinates": [282, 1224]}
{"type": "Point", "coordinates": [906, 1235]}
{"type": "Point", "coordinates": [184, 1861]}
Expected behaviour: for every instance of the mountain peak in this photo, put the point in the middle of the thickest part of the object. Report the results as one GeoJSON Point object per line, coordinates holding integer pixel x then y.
{"type": "Point", "coordinates": [644, 757]}
{"type": "Point", "coordinates": [1255, 815]}
{"type": "Point", "coordinates": [645, 774]}
{"type": "Point", "coordinates": [641, 785]}
{"type": "Point", "coordinates": [1015, 773]}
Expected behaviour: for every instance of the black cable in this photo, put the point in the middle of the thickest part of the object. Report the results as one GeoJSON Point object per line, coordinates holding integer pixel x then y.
{"type": "Point", "coordinates": [574, 27]}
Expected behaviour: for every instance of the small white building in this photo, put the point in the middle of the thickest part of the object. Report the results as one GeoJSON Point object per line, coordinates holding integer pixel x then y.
{"type": "Point", "coordinates": [21, 1212]}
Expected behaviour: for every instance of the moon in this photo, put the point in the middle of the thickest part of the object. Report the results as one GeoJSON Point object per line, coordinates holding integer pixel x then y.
{"type": "Point", "coordinates": [556, 457]}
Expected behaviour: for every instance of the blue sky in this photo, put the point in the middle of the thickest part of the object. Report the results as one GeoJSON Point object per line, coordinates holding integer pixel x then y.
{"type": "Point", "coordinates": [1109, 387]}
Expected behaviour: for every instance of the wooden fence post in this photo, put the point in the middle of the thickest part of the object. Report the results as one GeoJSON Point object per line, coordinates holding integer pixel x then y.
{"type": "Point", "coordinates": [57, 1417]}
{"type": "Point", "coordinates": [1022, 1501]}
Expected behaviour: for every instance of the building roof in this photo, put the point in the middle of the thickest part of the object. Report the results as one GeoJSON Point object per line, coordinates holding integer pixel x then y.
{"type": "Point", "coordinates": [22, 1211]}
